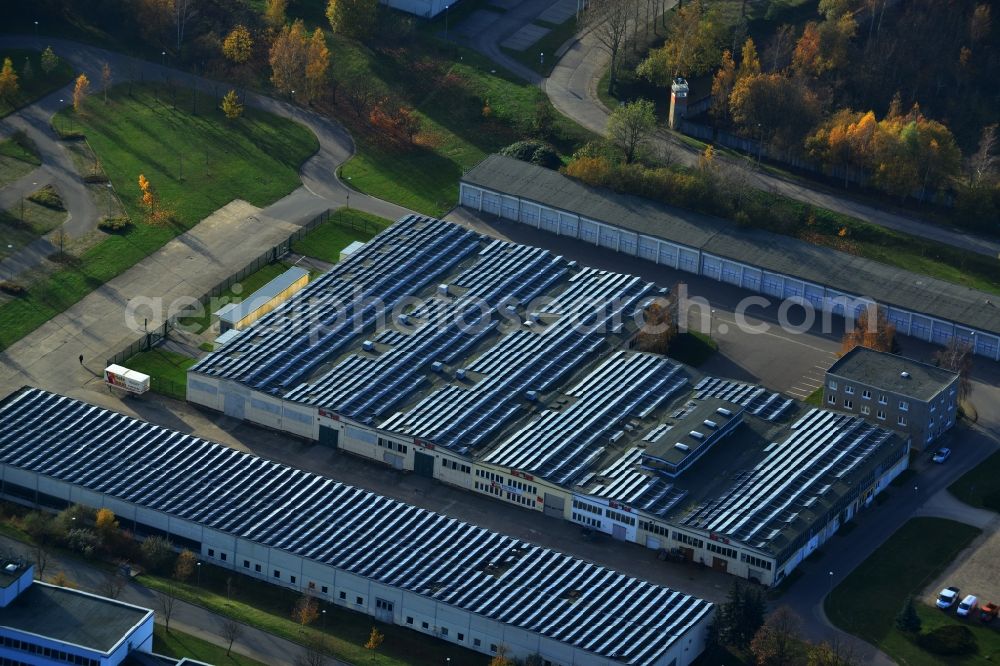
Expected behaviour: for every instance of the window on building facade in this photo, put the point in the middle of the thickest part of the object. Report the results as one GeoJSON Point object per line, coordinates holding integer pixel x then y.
{"type": "Point", "coordinates": [848, 404]}
{"type": "Point", "coordinates": [246, 564]}
{"type": "Point", "coordinates": [866, 394]}
{"type": "Point", "coordinates": [277, 574]}
{"type": "Point", "coordinates": [904, 406]}
{"type": "Point", "coordinates": [880, 414]}
{"type": "Point", "coordinates": [256, 568]}
{"type": "Point", "coordinates": [211, 552]}
{"type": "Point", "coordinates": [831, 399]}
{"type": "Point", "coordinates": [849, 390]}
{"type": "Point", "coordinates": [866, 410]}
{"type": "Point", "coordinates": [832, 385]}
{"type": "Point", "coordinates": [882, 400]}
{"type": "Point", "coordinates": [292, 579]}
{"type": "Point", "coordinates": [901, 420]}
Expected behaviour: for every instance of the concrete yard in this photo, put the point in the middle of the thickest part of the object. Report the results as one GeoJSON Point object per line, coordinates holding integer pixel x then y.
{"type": "Point", "coordinates": [525, 37]}
{"type": "Point", "coordinates": [974, 571]}
{"type": "Point", "coordinates": [559, 12]}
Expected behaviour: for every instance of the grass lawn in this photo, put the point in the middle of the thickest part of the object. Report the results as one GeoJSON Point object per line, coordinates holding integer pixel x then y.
{"type": "Point", "coordinates": [236, 292]}
{"type": "Point", "coordinates": [38, 220]}
{"type": "Point", "coordinates": [466, 111]}
{"type": "Point", "coordinates": [18, 157]}
{"type": "Point", "coordinates": [167, 371]}
{"type": "Point", "coordinates": [40, 83]}
{"type": "Point", "coordinates": [692, 348]}
{"type": "Point", "coordinates": [268, 607]}
{"type": "Point", "coordinates": [255, 158]}
{"type": "Point", "coordinates": [549, 44]}
{"type": "Point", "coordinates": [980, 486]}
{"type": "Point", "coordinates": [178, 644]}
{"type": "Point", "coordinates": [344, 226]}
{"type": "Point", "coordinates": [815, 399]}
{"type": "Point", "coordinates": [867, 602]}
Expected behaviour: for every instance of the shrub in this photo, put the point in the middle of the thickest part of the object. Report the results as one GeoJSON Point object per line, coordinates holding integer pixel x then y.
{"type": "Point", "coordinates": [95, 178]}
{"type": "Point", "coordinates": [949, 639]}
{"type": "Point", "coordinates": [12, 288]}
{"type": "Point", "coordinates": [48, 197]}
{"type": "Point", "coordinates": [157, 554]}
{"type": "Point", "coordinates": [84, 541]}
{"type": "Point", "coordinates": [535, 152]}
{"type": "Point", "coordinates": [114, 225]}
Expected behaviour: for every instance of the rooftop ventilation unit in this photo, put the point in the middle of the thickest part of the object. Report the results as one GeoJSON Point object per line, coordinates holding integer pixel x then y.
{"type": "Point", "coordinates": [442, 289]}
{"type": "Point", "coordinates": [368, 346]}
{"type": "Point", "coordinates": [682, 447]}
{"type": "Point", "coordinates": [532, 396]}
{"type": "Point", "coordinates": [711, 424]}
{"type": "Point", "coordinates": [10, 567]}
{"type": "Point", "coordinates": [904, 374]}
{"type": "Point", "coordinates": [618, 435]}
{"type": "Point", "coordinates": [460, 373]}
{"type": "Point", "coordinates": [696, 434]}
{"type": "Point", "coordinates": [437, 366]}
{"type": "Point", "coordinates": [724, 411]}
{"type": "Point", "coordinates": [404, 319]}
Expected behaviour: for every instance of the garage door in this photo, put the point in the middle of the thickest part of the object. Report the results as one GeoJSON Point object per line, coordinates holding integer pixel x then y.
{"type": "Point", "coordinates": [554, 506]}
{"type": "Point", "coordinates": [653, 542]}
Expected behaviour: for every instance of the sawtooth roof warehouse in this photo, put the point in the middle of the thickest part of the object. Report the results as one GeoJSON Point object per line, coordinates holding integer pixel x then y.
{"type": "Point", "coordinates": [368, 553]}
{"type": "Point", "coordinates": [542, 403]}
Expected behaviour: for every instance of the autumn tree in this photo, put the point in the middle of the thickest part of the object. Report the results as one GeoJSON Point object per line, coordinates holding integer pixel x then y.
{"type": "Point", "coordinates": [274, 13]}
{"type": "Point", "coordinates": [872, 330]}
{"type": "Point", "coordinates": [62, 580]}
{"type": "Point", "coordinates": [694, 45]}
{"type": "Point", "coordinates": [317, 65]}
{"type": "Point", "coordinates": [157, 552]}
{"type": "Point", "coordinates": [630, 126]}
{"type": "Point", "coordinates": [983, 163]}
{"type": "Point", "coordinates": [749, 61]}
{"type": "Point", "coordinates": [107, 526]}
{"type": "Point", "coordinates": [722, 86]}
{"type": "Point", "coordinates": [774, 108]}
{"type": "Point", "coordinates": [352, 18]}
{"type": "Point", "coordinates": [148, 199]}
{"type": "Point", "coordinates": [238, 45]}
{"type": "Point", "coordinates": [231, 105]}
{"type": "Point", "coordinates": [184, 565]}
{"type": "Point", "coordinates": [49, 60]}
{"type": "Point", "coordinates": [607, 21]}
{"type": "Point", "coordinates": [306, 610]}
{"type": "Point", "coordinates": [288, 58]}
{"type": "Point", "coordinates": [659, 326]}
{"type": "Point", "coordinates": [230, 630]}
{"type": "Point", "coordinates": [80, 91]}
{"type": "Point", "coordinates": [778, 642]}
{"type": "Point", "coordinates": [957, 357]}
{"type": "Point", "coordinates": [375, 639]}
{"type": "Point", "coordinates": [8, 81]}
{"type": "Point", "coordinates": [825, 46]}
{"type": "Point", "coordinates": [501, 658]}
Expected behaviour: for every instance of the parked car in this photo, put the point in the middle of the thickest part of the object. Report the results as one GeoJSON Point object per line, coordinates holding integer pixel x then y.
{"type": "Point", "coordinates": [968, 606]}
{"type": "Point", "coordinates": [941, 455]}
{"type": "Point", "coordinates": [947, 597]}
{"type": "Point", "coordinates": [988, 613]}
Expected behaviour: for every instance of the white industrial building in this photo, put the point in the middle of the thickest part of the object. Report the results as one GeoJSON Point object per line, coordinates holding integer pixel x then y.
{"type": "Point", "coordinates": [923, 307]}
{"type": "Point", "coordinates": [367, 553]}
{"type": "Point", "coordinates": [422, 8]}
{"type": "Point", "coordinates": [508, 371]}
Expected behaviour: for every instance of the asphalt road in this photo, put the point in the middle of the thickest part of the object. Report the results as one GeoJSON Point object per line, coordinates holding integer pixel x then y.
{"type": "Point", "coordinates": [320, 186]}
{"type": "Point", "coordinates": [572, 88]}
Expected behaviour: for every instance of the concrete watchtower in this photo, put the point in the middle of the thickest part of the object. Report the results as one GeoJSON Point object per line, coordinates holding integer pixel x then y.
{"type": "Point", "coordinates": [678, 101]}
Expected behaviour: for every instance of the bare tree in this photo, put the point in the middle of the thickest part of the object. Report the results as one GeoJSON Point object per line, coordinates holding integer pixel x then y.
{"type": "Point", "coordinates": [231, 631]}
{"type": "Point", "coordinates": [957, 357]}
{"type": "Point", "coordinates": [983, 163]}
{"type": "Point", "coordinates": [41, 557]}
{"type": "Point", "coordinates": [183, 11]}
{"type": "Point", "coordinates": [112, 585]}
{"type": "Point", "coordinates": [608, 20]}
{"type": "Point", "coordinates": [165, 603]}
{"type": "Point", "coordinates": [313, 654]}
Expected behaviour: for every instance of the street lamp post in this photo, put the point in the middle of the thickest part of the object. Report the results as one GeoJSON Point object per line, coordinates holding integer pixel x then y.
{"type": "Point", "coordinates": [541, 57]}
{"type": "Point", "coordinates": [36, 29]}
{"type": "Point", "coordinates": [446, 8]}
{"type": "Point", "coordinates": [108, 185]}
{"type": "Point", "coordinates": [10, 247]}
{"type": "Point", "coordinates": [198, 567]}
{"type": "Point", "coordinates": [830, 591]}
{"type": "Point", "coordinates": [323, 612]}
{"type": "Point", "coordinates": [348, 193]}
{"type": "Point", "coordinates": [163, 58]}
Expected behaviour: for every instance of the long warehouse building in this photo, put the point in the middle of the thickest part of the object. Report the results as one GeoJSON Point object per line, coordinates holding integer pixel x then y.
{"type": "Point", "coordinates": [367, 553]}
{"type": "Point", "coordinates": [920, 306]}
{"type": "Point", "coordinates": [510, 372]}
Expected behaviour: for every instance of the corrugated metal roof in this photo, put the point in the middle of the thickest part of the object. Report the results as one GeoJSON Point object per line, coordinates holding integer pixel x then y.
{"type": "Point", "coordinates": [473, 569]}
{"type": "Point", "coordinates": [237, 312]}
{"type": "Point", "coordinates": [773, 252]}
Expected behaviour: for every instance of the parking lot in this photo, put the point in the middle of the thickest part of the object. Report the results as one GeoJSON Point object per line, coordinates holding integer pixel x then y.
{"type": "Point", "coordinates": [974, 571]}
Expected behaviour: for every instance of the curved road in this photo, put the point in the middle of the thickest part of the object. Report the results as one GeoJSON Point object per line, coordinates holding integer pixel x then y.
{"type": "Point", "coordinates": [320, 189]}
{"type": "Point", "coordinates": [572, 88]}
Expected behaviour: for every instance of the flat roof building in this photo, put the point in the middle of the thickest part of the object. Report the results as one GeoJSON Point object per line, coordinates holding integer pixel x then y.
{"type": "Point", "coordinates": [509, 371]}
{"type": "Point", "coordinates": [350, 547]}
{"type": "Point", "coordinates": [47, 624]}
{"type": "Point", "coordinates": [241, 314]}
{"type": "Point", "coordinates": [897, 392]}
{"type": "Point", "coordinates": [923, 307]}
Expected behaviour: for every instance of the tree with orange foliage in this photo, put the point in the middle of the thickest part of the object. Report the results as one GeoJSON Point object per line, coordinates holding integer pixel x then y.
{"type": "Point", "coordinates": [375, 639]}
{"type": "Point", "coordinates": [8, 81]}
{"type": "Point", "coordinates": [288, 58]}
{"type": "Point", "coordinates": [238, 45]}
{"type": "Point", "coordinates": [749, 60]}
{"type": "Point", "coordinates": [591, 170]}
{"type": "Point", "coordinates": [317, 65]}
{"type": "Point", "coordinates": [80, 91]}
{"type": "Point", "coordinates": [306, 610]}
{"type": "Point", "coordinates": [274, 13]}
{"type": "Point", "coordinates": [155, 213]}
{"type": "Point", "coordinates": [658, 328]}
{"type": "Point", "coordinates": [872, 330]}
{"type": "Point", "coordinates": [722, 86]}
